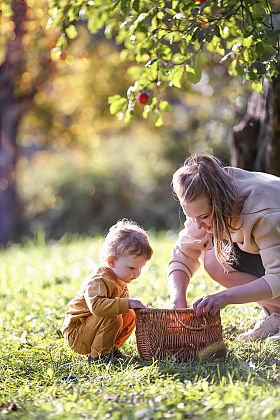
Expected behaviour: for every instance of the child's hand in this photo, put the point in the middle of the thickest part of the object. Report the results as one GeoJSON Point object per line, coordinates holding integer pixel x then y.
{"type": "Point", "coordinates": [136, 304]}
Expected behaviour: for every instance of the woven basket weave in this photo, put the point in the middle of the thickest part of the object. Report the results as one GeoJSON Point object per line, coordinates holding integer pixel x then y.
{"type": "Point", "coordinates": [177, 333]}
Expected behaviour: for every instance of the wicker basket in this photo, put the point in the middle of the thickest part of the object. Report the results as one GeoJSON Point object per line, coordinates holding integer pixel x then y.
{"type": "Point", "coordinates": [178, 334]}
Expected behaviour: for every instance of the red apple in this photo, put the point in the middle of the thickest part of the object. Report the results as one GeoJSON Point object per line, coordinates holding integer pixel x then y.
{"type": "Point", "coordinates": [142, 97]}
{"type": "Point", "coordinates": [63, 56]}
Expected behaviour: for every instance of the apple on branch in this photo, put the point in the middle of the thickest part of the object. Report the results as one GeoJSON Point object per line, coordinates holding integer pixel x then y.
{"type": "Point", "coordinates": [142, 97]}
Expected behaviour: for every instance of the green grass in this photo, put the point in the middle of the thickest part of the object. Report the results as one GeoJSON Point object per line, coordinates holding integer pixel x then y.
{"type": "Point", "coordinates": [37, 281]}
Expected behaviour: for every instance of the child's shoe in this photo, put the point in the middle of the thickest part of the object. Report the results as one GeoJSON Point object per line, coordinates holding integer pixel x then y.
{"type": "Point", "coordinates": [266, 326]}
{"type": "Point", "coordinates": [112, 357]}
{"type": "Point", "coordinates": [118, 354]}
{"type": "Point", "coordinates": [102, 360]}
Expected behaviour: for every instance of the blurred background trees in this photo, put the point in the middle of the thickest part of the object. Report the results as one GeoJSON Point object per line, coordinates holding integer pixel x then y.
{"type": "Point", "coordinates": [67, 164]}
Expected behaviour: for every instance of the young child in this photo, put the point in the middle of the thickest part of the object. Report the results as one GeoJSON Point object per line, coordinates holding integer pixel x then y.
{"type": "Point", "coordinates": [101, 318]}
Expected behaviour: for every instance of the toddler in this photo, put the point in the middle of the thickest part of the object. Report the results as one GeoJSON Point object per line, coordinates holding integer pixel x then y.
{"type": "Point", "coordinates": [101, 318]}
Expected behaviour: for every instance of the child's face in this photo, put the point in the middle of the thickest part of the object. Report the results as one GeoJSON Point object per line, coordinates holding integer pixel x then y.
{"type": "Point", "coordinates": [127, 268]}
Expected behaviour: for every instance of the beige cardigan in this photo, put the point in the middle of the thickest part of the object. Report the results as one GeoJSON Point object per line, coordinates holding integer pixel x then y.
{"type": "Point", "coordinates": [259, 232]}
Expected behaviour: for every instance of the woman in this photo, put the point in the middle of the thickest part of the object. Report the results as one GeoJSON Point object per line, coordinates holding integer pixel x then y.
{"type": "Point", "coordinates": [233, 227]}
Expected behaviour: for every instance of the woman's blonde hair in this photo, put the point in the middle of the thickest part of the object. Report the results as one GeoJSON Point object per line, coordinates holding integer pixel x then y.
{"type": "Point", "coordinates": [125, 238]}
{"type": "Point", "coordinates": [202, 174]}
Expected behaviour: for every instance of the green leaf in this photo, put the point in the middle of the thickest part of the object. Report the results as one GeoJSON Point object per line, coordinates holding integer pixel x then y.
{"type": "Point", "coordinates": [150, 62]}
{"type": "Point", "coordinates": [6, 10]}
{"type": "Point", "coordinates": [239, 70]}
{"type": "Point", "coordinates": [55, 54]}
{"type": "Point", "coordinates": [259, 48]}
{"type": "Point", "coordinates": [178, 58]}
{"type": "Point", "coordinates": [130, 94]}
{"type": "Point", "coordinates": [248, 55]}
{"type": "Point", "coordinates": [176, 76]}
{"type": "Point", "coordinates": [117, 106]}
{"type": "Point", "coordinates": [220, 49]}
{"type": "Point", "coordinates": [135, 5]}
{"type": "Point", "coordinates": [154, 23]}
{"type": "Point", "coordinates": [247, 42]}
{"type": "Point", "coordinates": [114, 98]}
{"type": "Point", "coordinates": [115, 4]}
{"type": "Point", "coordinates": [145, 114]}
{"type": "Point", "coordinates": [194, 73]}
{"type": "Point", "coordinates": [165, 52]}
{"type": "Point", "coordinates": [231, 69]}
{"type": "Point", "coordinates": [257, 86]}
{"type": "Point", "coordinates": [127, 117]}
{"type": "Point", "coordinates": [165, 106]}
{"type": "Point", "coordinates": [124, 5]}
{"type": "Point", "coordinates": [134, 71]}
{"type": "Point", "coordinates": [171, 12]}
{"type": "Point", "coordinates": [62, 40]}
{"type": "Point", "coordinates": [272, 34]}
{"type": "Point", "coordinates": [159, 121]}
{"type": "Point", "coordinates": [71, 32]}
{"type": "Point", "coordinates": [252, 75]}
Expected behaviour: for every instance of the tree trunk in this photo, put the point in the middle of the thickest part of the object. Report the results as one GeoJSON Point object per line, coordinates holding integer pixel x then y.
{"type": "Point", "coordinates": [11, 112]}
{"type": "Point", "coordinates": [255, 144]}
{"type": "Point", "coordinates": [275, 135]}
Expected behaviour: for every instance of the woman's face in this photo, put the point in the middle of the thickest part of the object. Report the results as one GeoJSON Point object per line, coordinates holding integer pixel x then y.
{"type": "Point", "coordinates": [200, 212]}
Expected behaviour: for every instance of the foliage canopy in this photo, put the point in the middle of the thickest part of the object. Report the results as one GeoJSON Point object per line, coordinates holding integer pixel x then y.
{"type": "Point", "coordinates": [166, 38]}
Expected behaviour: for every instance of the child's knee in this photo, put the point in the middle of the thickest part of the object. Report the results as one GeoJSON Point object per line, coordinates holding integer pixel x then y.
{"type": "Point", "coordinates": [115, 323]}
{"type": "Point", "coordinates": [81, 338]}
{"type": "Point", "coordinates": [78, 340]}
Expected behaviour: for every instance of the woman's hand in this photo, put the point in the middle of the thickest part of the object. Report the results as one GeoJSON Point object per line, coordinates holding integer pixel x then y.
{"type": "Point", "coordinates": [136, 304]}
{"type": "Point", "coordinates": [257, 290]}
{"type": "Point", "coordinates": [210, 304]}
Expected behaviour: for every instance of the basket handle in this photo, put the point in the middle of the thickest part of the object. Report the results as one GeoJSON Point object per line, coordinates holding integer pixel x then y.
{"type": "Point", "coordinates": [188, 327]}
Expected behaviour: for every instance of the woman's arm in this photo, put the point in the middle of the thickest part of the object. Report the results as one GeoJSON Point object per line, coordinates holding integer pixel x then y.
{"type": "Point", "coordinates": [178, 282]}
{"type": "Point", "coordinates": [185, 262]}
{"type": "Point", "coordinates": [257, 290]}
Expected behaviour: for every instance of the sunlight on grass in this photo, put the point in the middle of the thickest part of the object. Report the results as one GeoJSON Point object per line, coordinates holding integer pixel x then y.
{"type": "Point", "coordinates": [38, 280]}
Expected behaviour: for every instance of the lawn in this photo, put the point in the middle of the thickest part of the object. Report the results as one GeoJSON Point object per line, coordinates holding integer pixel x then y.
{"type": "Point", "coordinates": [37, 281]}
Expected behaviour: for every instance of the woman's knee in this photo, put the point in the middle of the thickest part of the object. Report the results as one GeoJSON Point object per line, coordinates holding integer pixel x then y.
{"type": "Point", "coordinates": [226, 279]}
{"type": "Point", "coordinates": [212, 266]}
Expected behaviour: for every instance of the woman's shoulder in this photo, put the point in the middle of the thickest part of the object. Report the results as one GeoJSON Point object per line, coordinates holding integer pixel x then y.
{"type": "Point", "coordinates": [261, 190]}
{"type": "Point", "coordinates": [255, 177]}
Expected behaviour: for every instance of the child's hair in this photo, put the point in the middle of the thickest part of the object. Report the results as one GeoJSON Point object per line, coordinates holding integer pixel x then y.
{"type": "Point", "coordinates": [125, 238]}
{"type": "Point", "coordinates": [204, 175]}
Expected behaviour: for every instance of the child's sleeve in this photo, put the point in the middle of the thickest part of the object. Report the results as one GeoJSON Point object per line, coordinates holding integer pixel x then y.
{"type": "Point", "coordinates": [100, 304]}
